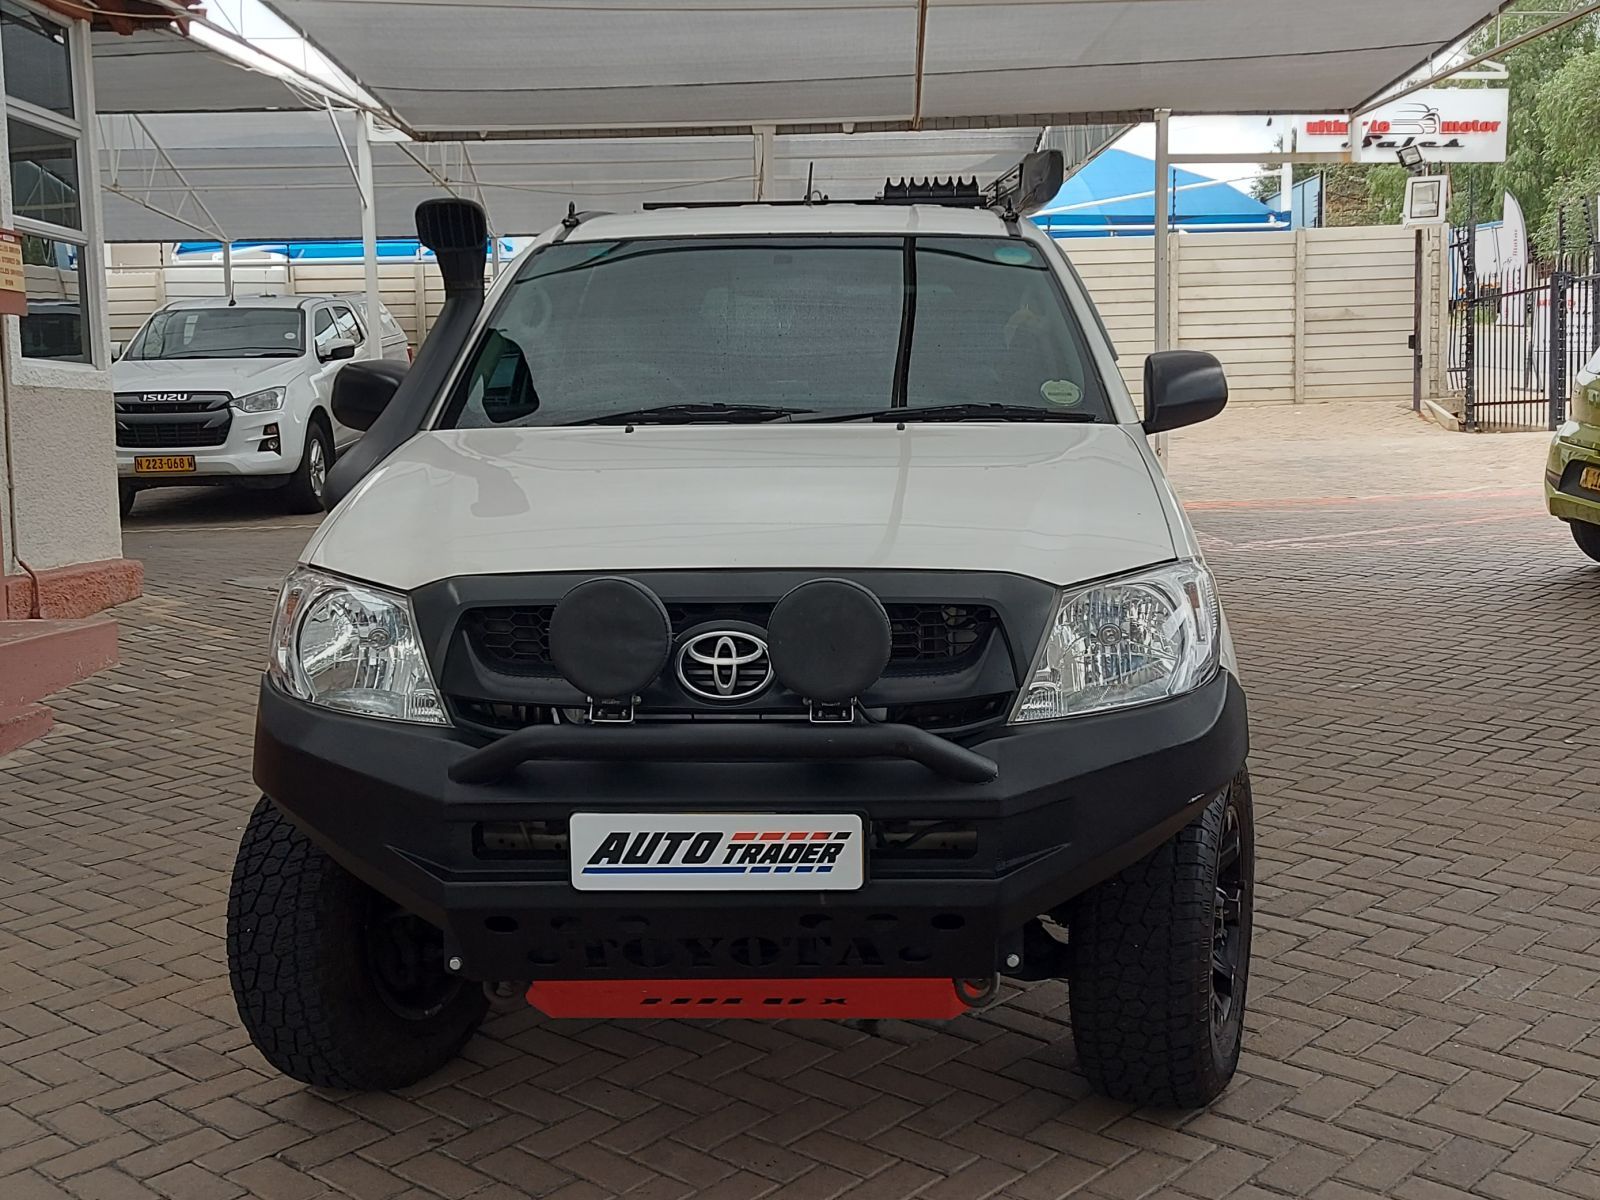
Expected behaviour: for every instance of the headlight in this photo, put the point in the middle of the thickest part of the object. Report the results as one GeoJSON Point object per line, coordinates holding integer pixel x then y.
{"type": "Point", "coordinates": [353, 648]}
{"type": "Point", "coordinates": [1127, 641]}
{"type": "Point", "coordinates": [266, 400]}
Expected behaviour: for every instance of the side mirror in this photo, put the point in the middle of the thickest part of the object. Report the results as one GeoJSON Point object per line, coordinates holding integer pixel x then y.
{"type": "Point", "coordinates": [337, 349]}
{"type": "Point", "coordinates": [1182, 387]}
{"type": "Point", "coordinates": [362, 390]}
{"type": "Point", "coordinates": [116, 350]}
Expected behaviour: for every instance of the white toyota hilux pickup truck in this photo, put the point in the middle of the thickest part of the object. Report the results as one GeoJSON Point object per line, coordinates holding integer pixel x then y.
{"type": "Point", "coordinates": [765, 610]}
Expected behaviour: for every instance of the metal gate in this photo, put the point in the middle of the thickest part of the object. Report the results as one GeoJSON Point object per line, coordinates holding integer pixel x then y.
{"type": "Point", "coordinates": [1518, 336]}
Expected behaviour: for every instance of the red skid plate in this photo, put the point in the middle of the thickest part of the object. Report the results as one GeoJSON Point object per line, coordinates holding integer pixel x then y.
{"type": "Point", "coordinates": [763, 999]}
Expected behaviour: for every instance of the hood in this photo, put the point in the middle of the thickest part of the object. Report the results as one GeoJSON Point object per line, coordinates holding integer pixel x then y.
{"type": "Point", "coordinates": [1061, 503]}
{"type": "Point", "coordinates": [236, 376]}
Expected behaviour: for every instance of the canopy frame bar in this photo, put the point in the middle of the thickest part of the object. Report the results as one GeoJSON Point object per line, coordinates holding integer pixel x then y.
{"type": "Point", "coordinates": [163, 161]}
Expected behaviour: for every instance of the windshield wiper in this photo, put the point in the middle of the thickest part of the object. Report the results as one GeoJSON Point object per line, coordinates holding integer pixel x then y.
{"type": "Point", "coordinates": [962, 412]}
{"type": "Point", "coordinates": [684, 414]}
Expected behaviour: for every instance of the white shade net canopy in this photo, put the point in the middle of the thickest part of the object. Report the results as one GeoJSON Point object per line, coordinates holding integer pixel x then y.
{"type": "Point", "coordinates": [475, 68]}
{"type": "Point", "coordinates": [290, 175]}
{"type": "Point", "coordinates": [155, 71]}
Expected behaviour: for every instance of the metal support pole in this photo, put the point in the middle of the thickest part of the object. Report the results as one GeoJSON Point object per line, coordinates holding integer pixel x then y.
{"type": "Point", "coordinates": [1469, 328]}
{"type": "Point", "coordinates": [764, 147]}
{"type": "Point", "coordinates": [227, 269]}
{"type": "Point", "coordinates": [1560, 285]}
{"type": "Point", "coordinates": [1416, 323]}
{"type": "Point", "coordinates": [1163, 313]}
{"type": "Point", "coordinates": [369, 234]}
{"type": "Point", "coordinates": [1593, 270]}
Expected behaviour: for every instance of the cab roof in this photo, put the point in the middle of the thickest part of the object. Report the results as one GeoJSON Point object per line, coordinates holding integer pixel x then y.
{"type": "Point", "coordinates": [895, 220]}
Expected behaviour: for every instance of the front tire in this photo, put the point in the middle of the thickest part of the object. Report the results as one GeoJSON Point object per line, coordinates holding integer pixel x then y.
{"type": "Point", "coordinates": [1587, 536]}
{"type": "Point", "coordinates": [309, 484]}
{"type": "Point", "coordinates": [1161, 960]}
{"type": "Point", "coordinates": [336, 986]}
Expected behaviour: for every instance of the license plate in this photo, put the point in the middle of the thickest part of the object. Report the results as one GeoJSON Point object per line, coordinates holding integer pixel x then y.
{"type": "Point", "coordinates": [163, 464]}
{"type": "Point", "coordinates": [716, 852]}
{"type": "Point", "coordinates": [1589, 478]}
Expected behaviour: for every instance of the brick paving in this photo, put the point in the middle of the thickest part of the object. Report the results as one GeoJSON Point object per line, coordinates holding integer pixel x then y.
{"type": "Point", "coordinates": [1420, 646]}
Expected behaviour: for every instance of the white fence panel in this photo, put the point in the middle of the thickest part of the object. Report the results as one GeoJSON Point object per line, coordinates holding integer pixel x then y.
{"type": "Point", "coordinates": [1314, 314]}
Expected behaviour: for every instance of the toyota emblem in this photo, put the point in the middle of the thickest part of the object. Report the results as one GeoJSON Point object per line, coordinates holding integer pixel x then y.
{"type": "Point", "coordinates": [724, 664]}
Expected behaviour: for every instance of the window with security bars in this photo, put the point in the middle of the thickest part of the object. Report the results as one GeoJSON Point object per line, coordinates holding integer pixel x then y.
{"type": "Point", "coordinates": [44, 133]}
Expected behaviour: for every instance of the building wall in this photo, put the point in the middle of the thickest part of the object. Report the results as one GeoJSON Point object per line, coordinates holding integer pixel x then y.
{"type": "Point", "coordinates": [58, 510]}
{"type": "Point", "coordinates": [65, 505]}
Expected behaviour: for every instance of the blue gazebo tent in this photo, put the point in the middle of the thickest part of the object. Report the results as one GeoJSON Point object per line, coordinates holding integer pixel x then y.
{"type": "Point", "coordinates": [403, 249]}
{"type": "Point", "coordinates": [1113, 195]}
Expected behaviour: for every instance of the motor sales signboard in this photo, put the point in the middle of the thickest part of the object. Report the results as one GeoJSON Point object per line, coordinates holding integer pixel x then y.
{"type": "Point", "coordinates": [13, 282]}
{"type": "Point", "coordinates": [1446, 124]}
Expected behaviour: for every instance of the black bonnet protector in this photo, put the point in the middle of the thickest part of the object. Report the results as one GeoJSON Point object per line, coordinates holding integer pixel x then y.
{"type": "Point", "coordinates": [830, 640]}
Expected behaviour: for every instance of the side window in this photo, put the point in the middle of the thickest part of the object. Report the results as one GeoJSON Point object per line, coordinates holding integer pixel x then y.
{"type": "Point", "coordinates": [345, 322]}
{"type": "Point", "coordinates": [44, 124]}
{"type": "Point", "coordinates": [323, 330]}
{"type": "Point", "coordinates": [500, 386]}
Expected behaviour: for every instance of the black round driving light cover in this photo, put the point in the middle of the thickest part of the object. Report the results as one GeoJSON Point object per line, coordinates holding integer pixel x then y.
{"type": "Point", "coordinates": [829, 640]}
{"type": "Point", "coordinates": [610, 638]}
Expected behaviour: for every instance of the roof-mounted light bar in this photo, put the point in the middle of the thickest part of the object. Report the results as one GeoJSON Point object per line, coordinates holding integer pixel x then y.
{"type": "Point", "coordinates": [955, 192]}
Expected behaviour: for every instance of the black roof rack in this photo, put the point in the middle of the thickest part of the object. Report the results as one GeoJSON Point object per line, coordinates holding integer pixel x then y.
{"type": "Point", "coordinates": [952, 193]}
{"type": "Point", "coordinates": [1025, 188]}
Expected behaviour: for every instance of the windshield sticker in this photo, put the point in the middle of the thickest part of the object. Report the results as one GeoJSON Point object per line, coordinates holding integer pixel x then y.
{"type": "Point", "coordinates": [1013, 256]}
{"type": "Point", "coordinates": [1061, 392]}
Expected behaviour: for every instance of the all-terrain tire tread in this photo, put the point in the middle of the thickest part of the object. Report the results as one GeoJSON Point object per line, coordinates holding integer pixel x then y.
{"type": "Point", "coordinates": [1140, 1006]}
{"type": "Point", "coordinates": [293, 970]}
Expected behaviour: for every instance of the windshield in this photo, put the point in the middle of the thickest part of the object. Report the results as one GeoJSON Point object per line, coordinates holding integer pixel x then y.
{"type": "Point", "coordinates": [772, 328]}
{"type": "Point", "coordinates": [221, 333]}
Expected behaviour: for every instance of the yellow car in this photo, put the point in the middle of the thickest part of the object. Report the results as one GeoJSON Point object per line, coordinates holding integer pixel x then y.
{"type": "Point", "coordinates": [1572, 476]}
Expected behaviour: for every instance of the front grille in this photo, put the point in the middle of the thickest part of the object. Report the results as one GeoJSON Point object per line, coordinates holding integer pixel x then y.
{"type": "Point", "coordinates": [164, 406]}
{"type": "Point", "coordinates": [937, 634]}
{"type": "Point", "coordinates": [926, 638]}
{"type": "Point", "coordinates": [500, 715]}
{"type": "Point", "coordinates": [170, 435]}
{"type": "Point", "coordinates": [515, 641]}
{"type": "Point", "coordinates": [199, 420]}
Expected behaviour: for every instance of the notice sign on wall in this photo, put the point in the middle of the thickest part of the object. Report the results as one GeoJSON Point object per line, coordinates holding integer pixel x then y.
{"type": "Point", "coordinates": [13, 283]}
{"type": "Point", "coordinates": [1446, 124]}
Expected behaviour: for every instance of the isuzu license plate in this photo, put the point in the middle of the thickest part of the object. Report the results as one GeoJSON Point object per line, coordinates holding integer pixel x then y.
{"type": "Point", "coordinates": [716, 852]}
{"type": "Point", "coordinates": [163, 464]}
